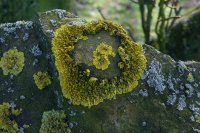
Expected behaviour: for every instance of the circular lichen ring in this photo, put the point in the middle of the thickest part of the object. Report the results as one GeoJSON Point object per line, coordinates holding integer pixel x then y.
{"type": "Point", "coordinates": [96, 61]}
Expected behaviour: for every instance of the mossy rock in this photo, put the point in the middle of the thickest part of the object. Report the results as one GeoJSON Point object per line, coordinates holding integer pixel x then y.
{"type": "Point", "coordinates": [184, 37]}
{"type": "Point", "coordinates": [165, 100]}
{"type": "Point", "coordinates": [99, 50]}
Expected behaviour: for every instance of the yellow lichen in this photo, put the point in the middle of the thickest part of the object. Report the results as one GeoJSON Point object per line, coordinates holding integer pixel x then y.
{"type": "Point", "coordinates": [197, 119]}
{"type": "Point", "coordinates": [87, 72]}
{"type": "Point", "coordinates": [101, 56]}
{"type": "Point", "coordinates": [190, 77]}
{"type": "Point", "coordinates": [7, 124]}
{"type": "Point", "coordinates": [42, 79]}
{"type": "Point", "coordinates": [85, 38]}
{"type": "Point", "coordinates": [87, 89]}
{"type": "Point", "coordinates": [93, 79]}
{"type": "Point", "coordinates": [12, 62]}
{"type": "Point", "coordinates": [54, 121]}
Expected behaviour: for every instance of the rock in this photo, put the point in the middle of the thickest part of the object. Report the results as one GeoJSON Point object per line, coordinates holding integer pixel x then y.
{"type": "Point", "coordinates": [164, 100]}
{"type": "Point", "coordinates": [184, 37]}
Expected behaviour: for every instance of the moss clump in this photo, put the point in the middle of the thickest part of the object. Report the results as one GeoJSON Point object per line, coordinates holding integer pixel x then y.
{"type": "Point", "coordinates": [12, 62]}
{"type": "Point", "coordinates": [54, 122]}
{"type": "Point", "coordinates": [76, 73]}
{"type": "Point", "coordinates": [7, 124]}
{"type": "Point", "coordinates": [42, 79]}
{"type": "Point", "coordinates": [100, 56]}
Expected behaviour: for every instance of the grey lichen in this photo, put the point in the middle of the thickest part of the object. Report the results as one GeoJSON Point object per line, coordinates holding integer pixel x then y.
{"type": "Point", "coordinates": [171, 99]}
{"type": "Point", "coordinates": [61, 13]}
{"type": "Point", "coordinates": [22, 97]}
{"type": "Point", "coordinates": [2, 40]}
{"type": "Point", "coordinates": [170, 83]}
{"type": "Point", "coordinates": [59, 99]}
{"type": "Point", "coordinates": [194, 109]}
{"type": "Point", "coordinates": [198, 94]}
{"type": "Point", "coordinates": [155, 77]}
{"type": "Point", "coordinates": [35, 50]}
{"type": "Point", "coordinates": [144, 124]}
{"type": "Point", "coordinates": [196, 130]}
{"type": "Point", "coordinates": [11, 28]}
{"type": "Point", "coordinates": [26, 36]}
{"type": "Point", "coordinates": [182, 67]}
{"type": "Point", "coordinates": [53, 23]}
{"type": "Point", "coordinates": [143, 92]}
{"type": "Point", "coordinates": [35, 62]}
{"type": "Point", "coordinates": [50, 32]}
{"type": "Point", "coordinates": [196, 85]}
{"type": "Point", "coordinates": [181, 103]}
{"type": "Point", "coordinates": [29, 25]}
{"type": "Point", "coordinates": [189, 90]}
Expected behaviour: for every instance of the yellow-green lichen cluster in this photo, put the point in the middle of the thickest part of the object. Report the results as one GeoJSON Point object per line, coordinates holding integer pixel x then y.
{"type": "Point", "coordinates": [42, 79]}
{"type": "Point", "coordinates": [197, 119]}
{"type": "Point", "coordinates": [12, 62]}
{"type": "Point", "coordinates": [54, 122]}
{"type": "Point", "coordinates": [78, 81]}
{"type": "Point", "coordinates": [190, 77]}
{"type": "Point", "coordinates": [7, 124]}
{"type": "Point", "coordinates": [101, 56]}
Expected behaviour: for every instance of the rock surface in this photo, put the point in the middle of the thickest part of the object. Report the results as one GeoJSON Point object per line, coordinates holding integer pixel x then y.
{"type": "Point", "coordinates": [185, 44]}
{"type": "Point", "coordinates": [166, 100]}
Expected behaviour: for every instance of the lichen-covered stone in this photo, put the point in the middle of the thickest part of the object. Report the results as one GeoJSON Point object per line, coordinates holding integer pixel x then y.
{"type": "Point", "coordinates": [72, 64]}
{"type": "Point", "coordinates": [131, 112]}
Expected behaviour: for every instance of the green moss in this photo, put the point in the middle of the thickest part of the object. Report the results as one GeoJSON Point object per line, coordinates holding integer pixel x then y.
{"type": "Point", "coordinates": [54, 122]}
{"type": "Point", "coordinates": [90, 89]}
{"type": "Point", "coordinates": [8, 125]}
{"type": "Point", "coordinates": [12, 62]}
{"type": "Point", "coordinates": [42, 79]}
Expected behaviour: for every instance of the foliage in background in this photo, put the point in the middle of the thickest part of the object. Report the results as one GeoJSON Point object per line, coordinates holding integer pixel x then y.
{"type": "Point", "coordinates": [120, 11]}
{"type": "Point", "coordinates": [168, 12]}
{"type": "Point", "coordinates": [45, 5]}
{"type": "Point", "coordinates": [15, 10]}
